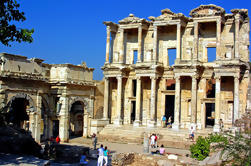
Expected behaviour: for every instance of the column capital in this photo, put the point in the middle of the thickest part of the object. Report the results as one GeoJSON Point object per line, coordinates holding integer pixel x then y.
{"type": "Point", "coordinates": [236, 77]}
{"type": "Point", "coordinates": [195, 76]}
{"type": "Point", "coordinates": [138, 77]}
{"type": "Point", "coordinates": [106, 78]}
{"type": "Point", "coordinates": [218, 21]}
{"type": "Point", "coordinates": [119, 77]}
{"type": "Point", "coordinates": [154, 77]}
{"type": "Point", "coordinates": [217, 77]}
{"type": "Point", "coordinates": [177, 77]}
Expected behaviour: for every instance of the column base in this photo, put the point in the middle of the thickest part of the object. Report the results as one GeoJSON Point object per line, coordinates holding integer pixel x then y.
{"type": "Point", "coordinates": [216, 128]}
{"type": "Point", "coordinates": [117, 122]}
{"type": "Point", "coordinates": [151, 124]}
{"type": "Point", "coordinates": [176, 126]}
{"type": "Point", "coordinates": [199, 126]}
{"type": "Point", "coordinates": [136, 123]}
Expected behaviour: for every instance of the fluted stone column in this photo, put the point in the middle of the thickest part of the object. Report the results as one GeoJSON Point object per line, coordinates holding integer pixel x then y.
{"type": "Point", "coordinates": [194, 102]}
{"type": "Point", "coordinates": [64, 119]}
{"type": "Point", "coordinates": [138, 103]}
{"type": "Point", "coordinates": [236, 98]}
{"type": "Point", "coordinates": [108, 39]}
{"type": "Point", "coordinates": [106, 99]}
{"type": "Point", "coordinates": [176, 123]}
{"type": "Point", "coordinates": [152, 121]}
{"type": "Point", "coordinates": [139, 43]}
{"type": "Point", "coordinates": [236, 41]}
{"type": "Point", "coordinates": [178, 41]}
{"type": "Point", "coordinates": [218, 40]}
{"type": "Point", "coordinates": [217, 104]}
{"type": "Point", "coordinates": [196, 38]}
{"type": "Point", "coordinates": [38, 118]}
{"type": "Point", "coordinates": [118, 120]}
{"type": "Point", "coordinates": [155, 43]}
{"type": "Point", "coordinates": [121, 49]}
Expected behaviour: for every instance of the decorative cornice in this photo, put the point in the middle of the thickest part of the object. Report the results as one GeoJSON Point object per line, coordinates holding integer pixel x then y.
{"type": "Point", "coordinates": [207, 10]}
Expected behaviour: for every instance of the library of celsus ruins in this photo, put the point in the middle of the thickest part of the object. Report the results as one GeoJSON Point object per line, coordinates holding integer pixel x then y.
{"type": "Point", "coordinates": [193, 69]}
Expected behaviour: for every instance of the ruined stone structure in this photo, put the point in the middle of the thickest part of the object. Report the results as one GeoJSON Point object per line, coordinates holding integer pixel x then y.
{"type": "Point", "coordinates": [198, 89]}
{"type": "Point", "coordinates": [48, 100]}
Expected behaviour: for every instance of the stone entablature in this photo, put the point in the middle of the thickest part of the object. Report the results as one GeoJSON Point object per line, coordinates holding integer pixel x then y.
{"type": "Point", "coordinates": [138, 69]}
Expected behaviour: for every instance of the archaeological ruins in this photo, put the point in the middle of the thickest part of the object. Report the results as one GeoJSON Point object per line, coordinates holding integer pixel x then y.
{"type": "Point", "coordinates": [194, 70]}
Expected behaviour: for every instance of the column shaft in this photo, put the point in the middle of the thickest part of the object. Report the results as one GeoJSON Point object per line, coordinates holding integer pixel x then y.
{"type": "Point", "coordinates": [194, 100]}
{"type": "Point", "coordinates": [121, 50]}
{"type": "Point", "coordinates": [218, 40]}
{"type": "Point", "coordinates": [217, 104]}
{"type": "Point", "coordinates": [106, 98]}
{"type": "Point", "coordinates": [236, 99]}
{"type": "Point", "coordinates": [177, 104]}
{"type": "Point", "coordinates": [178, 41]}
{"type": "Point", "coordinates": [236, 41]}
{"type": "Point", "coordinates": [139, 43]}
{"type": "Point", "coordinates": [155, 43]}
{"type": "Point", "coordinates": [195, 43]}
{"type": "Point", "coordinates": [138, 102]}
{"type": "Point", "coordinates": [119, 99]}
{"type": "Point", "coordinates": [153, 98]}
{"type": "Point", "coordinates": [108, 39]}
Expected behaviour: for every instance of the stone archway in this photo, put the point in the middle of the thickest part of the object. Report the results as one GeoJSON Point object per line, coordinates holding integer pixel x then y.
{"type": "Point", "coordinates": [20, 111]}
{"type": "Point", "coordinates": [77, 110]}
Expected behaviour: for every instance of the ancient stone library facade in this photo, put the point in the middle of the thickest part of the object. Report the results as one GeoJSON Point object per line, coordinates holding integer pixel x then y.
{"type": "Point", "coordinates": [48, 100]}
{"type": "Point", "coordinates": [193, 69]}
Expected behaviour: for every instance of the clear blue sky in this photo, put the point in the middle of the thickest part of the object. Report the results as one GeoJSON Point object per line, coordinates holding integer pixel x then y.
{"type": "Point", "coordinates": [71, 31]}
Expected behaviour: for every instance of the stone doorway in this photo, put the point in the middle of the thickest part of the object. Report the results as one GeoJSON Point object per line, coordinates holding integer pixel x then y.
{"type": "Point", "coordinates": [169, 106]}
{"type": "Point", "coordinates": [76, 119]}
{"type": "Point", "coordinates": [210, 115]}
{"type": "Point", "coordinates": [19, 113]}
{"type": "Point", "coordinates": [133, 112]}
{"type": "Point", "coordinates": [55, 131]}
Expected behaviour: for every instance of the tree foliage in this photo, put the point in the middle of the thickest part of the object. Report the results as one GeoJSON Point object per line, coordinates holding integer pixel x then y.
{"type": "Point", "coordinates": [9, 15]}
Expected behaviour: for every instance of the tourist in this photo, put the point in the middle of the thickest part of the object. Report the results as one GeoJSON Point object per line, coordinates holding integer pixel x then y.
{"type": "Point", "coordinates": [162, 150]}
{"type": "Point", "coordinates": [191, 135]}
{"type": "Point", "coordinates": [163, 121]}
{"type": "Point", "coordinates": [156, 139]}
{"type": "Point", "coordinates": [106, 156]}
{"type": "Point", "coordinates": [100, 155]}
{"type": "Point", "coordinates": [169, 122]}
{"type": "Point", "coordinates": [152, 139]}
{"type": "Point", "coordinates": [58, 140]}
{"type": "Point", "coordinates": [83, 159]}
{"type": "Point", "coordinates": [221, 124]}
{"type": "Point", "coordinates": [94, 141]}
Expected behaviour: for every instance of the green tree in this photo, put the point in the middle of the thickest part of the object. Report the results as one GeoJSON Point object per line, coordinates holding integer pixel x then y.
{"type": "Point", "coordinates": [9, 15]}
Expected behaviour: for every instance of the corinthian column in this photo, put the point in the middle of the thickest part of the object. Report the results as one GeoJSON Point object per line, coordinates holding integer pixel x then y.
{"type": "Point", "coordinates": [236, 98]}
{"type": "Point", "coordinates": [121, 49]}
{"type": "Point", "coordinates": [178, 41]}
{"type": "Point", "coordinates": [139, 43]}
{"type": "Point", "coordinates": [138, 103]}
{"type": "Point", "coordinates": [153, 102]}
{"type": "Point", "coordinates": [217, 103]}
{"type": "Point", "coordinates": [218, 40]}
{"type": "Point", "coordinates": [155, 43]}
{"type": "Point", "coordinates": [108, 31]}
{"type": "Point", "coordinates": [176, 124]}
{"type": "Point", "coordinates": [194, 102]}
{"type": "Point", "coordinates": [236, 41]}
{"type": "Point", "coordinates": [106, 99]}
{"type": "Point", "coordinates": [195, 43]}
{"type": "Point", "coordinates": [118, 120]}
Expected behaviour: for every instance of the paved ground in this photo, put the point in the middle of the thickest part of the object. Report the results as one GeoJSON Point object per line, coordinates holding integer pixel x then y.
{"type": "Point", "coordinates": [10, 159]}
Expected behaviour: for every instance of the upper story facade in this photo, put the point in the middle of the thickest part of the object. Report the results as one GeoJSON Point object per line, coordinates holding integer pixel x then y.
{"type": "Point", "coordinates": [173, 40]}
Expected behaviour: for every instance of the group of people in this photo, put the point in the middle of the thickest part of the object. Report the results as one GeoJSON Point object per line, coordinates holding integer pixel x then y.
{"type": "Point", "coordinates": [153, 140]}
{"type": "Point", "coordinates": [165, 122]}
{"type": "Point", "coordinates": [102, 155]}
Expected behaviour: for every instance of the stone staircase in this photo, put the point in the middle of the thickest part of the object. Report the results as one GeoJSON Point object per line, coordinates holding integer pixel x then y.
{"type": "Point", "coordinates": [167, 136]}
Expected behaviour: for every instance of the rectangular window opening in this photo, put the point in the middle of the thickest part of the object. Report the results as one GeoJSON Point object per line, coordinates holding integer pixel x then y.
{"type": "Point", "coordinates": [211, 54]}
{"type": "Point", "coordinates": [171, 56]}
{"type": "Point", "coordinates": [135, 56]}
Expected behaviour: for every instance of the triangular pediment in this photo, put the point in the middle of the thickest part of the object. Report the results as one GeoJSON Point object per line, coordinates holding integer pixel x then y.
{"type": "Point", "coordinates": [207, 10]}
{"type": "Point", "coordinates": [166, 15]}
{"type": "Point", "coordinates": [131, 19]}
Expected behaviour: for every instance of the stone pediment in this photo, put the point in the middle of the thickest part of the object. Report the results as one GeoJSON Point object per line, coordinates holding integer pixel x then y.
{"type": "Point", "coordinates": [131, 19]}
{"type": "Point", "coordinates": [166, 15]}
{"type": "Point", "coordinates": [207, 10]}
